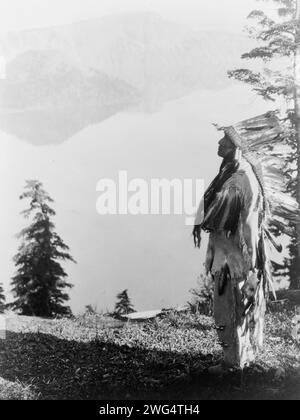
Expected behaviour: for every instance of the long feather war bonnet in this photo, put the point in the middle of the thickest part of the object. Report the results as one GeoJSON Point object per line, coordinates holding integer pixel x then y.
{"type": "Point", "coordinates": [260, 139]}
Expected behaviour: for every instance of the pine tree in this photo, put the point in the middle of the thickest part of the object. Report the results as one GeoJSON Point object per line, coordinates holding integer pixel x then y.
{"type": "Point", "coordinates": [2, 299]}
{"type": "Point", "coordinates": [40, 282]}
{"type": "Point", "coordinates": [279, 47]}
{"type": "Point", "coordinates": [123, 305]}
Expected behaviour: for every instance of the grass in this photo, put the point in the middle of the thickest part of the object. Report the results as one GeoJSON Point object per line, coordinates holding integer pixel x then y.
{"type": "Point", "coordinates": [96, 357]}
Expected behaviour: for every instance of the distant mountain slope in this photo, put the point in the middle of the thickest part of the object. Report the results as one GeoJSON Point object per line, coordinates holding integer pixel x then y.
{"type": "Point", "coordinates": [113, 62]}
{"type": "Point", "coordinates": [46, 99]}
{"type": "Point", "coordinates": [41, 78]}
{"type": "Point", "coordinates": [139, 48]}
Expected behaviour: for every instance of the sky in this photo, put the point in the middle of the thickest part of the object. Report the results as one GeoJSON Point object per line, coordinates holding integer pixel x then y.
{"type": "Point", "coordinates": [213, 14]}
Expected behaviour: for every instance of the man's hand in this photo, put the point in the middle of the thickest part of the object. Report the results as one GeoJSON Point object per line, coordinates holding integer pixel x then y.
{"type": "Point", "coordinates": [249, 290]}
{"type": "Point", "coordinates": [197, 236]}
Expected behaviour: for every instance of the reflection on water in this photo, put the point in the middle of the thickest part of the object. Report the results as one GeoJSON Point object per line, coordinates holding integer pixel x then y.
{"type": "Point", "coordinates": [62, 79]}
{"type": "Point", "coordinates": [54, 125]}
{"type": "Point", "coordinates": [152, 256]}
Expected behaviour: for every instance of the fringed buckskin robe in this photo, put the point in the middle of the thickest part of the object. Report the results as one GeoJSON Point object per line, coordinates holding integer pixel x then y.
{"type": "Point", "coordinates": [237, 260]}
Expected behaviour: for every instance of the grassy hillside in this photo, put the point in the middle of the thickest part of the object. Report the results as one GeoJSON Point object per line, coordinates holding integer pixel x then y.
{"type": "Point", "coordinates": [96, 357]}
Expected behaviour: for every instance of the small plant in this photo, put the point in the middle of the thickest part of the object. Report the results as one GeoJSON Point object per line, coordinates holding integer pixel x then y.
{"type": "Point", "coordinates": [123, 305]}
{"type": "Point", "coordinates": [203, 296]}
{"type": "Point", "coordinates": [2, 299]}
{"type": "Point", "coordinates": [91, 310]}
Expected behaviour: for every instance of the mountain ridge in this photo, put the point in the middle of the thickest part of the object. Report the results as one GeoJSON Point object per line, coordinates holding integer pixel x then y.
{"type": "Point", "coordinates": [144, 62]}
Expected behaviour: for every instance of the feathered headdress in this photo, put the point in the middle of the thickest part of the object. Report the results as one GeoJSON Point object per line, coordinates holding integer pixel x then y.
{"type": "Point", "coordinates": [259, 138]}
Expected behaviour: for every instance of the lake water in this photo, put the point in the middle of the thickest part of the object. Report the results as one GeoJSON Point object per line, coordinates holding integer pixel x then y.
{"type": "Point", "coordinates": [151, 256]}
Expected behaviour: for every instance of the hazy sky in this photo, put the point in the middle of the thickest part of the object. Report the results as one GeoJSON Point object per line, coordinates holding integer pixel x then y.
{"type": "Point", "coordinates": [203, 14]}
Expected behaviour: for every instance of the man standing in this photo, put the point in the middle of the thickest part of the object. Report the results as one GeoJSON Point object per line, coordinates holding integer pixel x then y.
{"type": "Point", "coordinates": [235, 213]}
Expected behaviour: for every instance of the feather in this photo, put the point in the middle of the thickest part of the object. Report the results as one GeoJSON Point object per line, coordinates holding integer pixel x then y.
{"type": "Point", "coordinates": [264, 145]}
{"type": "Point", "coordinates": [273, 241]}
{"type": "Point", "coordinates": [264, 265]}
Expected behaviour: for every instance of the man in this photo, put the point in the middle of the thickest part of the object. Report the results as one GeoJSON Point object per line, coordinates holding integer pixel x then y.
{"type": "Point", "coordinates": [235, 213]}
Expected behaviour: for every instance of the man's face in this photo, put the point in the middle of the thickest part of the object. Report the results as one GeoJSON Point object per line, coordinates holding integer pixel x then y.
{"type": "Point", "coordinates": [226, 147]}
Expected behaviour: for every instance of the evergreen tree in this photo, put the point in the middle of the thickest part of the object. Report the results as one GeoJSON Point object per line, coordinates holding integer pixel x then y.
{"type": "Point", "coordinates": [40, 282]}
{"type": "Point", "coordinates": [2, 299]}
{"type": "Point", "coordinates": [123, 305]}
{"type": "Point", "coordinates": [279, 48]}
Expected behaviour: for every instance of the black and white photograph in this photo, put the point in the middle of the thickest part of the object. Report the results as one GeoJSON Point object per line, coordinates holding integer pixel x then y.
{"type": "Point", "coordinates": [150, 202]}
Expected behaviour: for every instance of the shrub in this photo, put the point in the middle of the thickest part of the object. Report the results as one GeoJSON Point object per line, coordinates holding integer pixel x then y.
{"type": "Point", "coordinates": [203, 294]}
